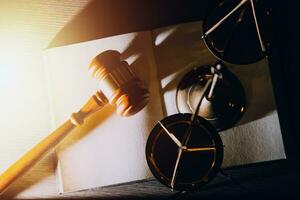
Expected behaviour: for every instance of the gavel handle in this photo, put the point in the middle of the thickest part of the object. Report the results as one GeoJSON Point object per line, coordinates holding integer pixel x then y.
{"type": "Point", "coordinates": [30, 158]}
{"type": "Point", "coordinates": [34, 155]}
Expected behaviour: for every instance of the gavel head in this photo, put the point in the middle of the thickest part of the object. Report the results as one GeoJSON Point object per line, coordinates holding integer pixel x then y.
{"type": "Point", "coordinates": [118, 83]}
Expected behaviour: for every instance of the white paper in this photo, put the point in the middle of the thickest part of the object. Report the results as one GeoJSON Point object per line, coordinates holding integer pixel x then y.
{"type": "Point", "coordinates": [108, 149]}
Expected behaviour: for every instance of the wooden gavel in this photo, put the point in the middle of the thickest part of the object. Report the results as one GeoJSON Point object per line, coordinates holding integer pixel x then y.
{"type": "Point", "coordinates": [118, 86]}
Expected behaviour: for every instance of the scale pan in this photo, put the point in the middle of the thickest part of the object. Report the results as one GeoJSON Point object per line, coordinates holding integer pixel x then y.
{"type": "Point", "coordinates": [235, 40]}
{"type": "Point", "coordinates": [197, 167]}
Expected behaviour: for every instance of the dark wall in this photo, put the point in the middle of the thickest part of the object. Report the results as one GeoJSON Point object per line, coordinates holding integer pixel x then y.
{"type": "Point", "coordinates": [285, 70]}
{"type": "Point", "coordinates": [103, 18]}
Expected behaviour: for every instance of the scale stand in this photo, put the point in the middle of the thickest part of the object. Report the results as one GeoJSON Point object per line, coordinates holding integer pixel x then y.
{"type": "Point", "coordinates": [224, 104]}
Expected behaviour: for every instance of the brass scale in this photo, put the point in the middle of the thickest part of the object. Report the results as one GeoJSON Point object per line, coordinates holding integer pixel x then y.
{"type": "Point", "coordinates": [184, 151]}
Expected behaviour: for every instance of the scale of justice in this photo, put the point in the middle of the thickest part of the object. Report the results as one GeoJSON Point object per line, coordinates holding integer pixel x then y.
{"type": "Point", "coordinates": [184, 151]}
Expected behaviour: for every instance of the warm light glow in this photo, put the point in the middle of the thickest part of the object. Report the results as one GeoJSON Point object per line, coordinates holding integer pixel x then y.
{"type": "Point", "coordinates": [24, 112]}
{"type": "Point", "coordinates": [163, 36]}
{"type": "Point", "coordinates": [200, 149]}
{"type": "Point", "coordinates": [8, 65]}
